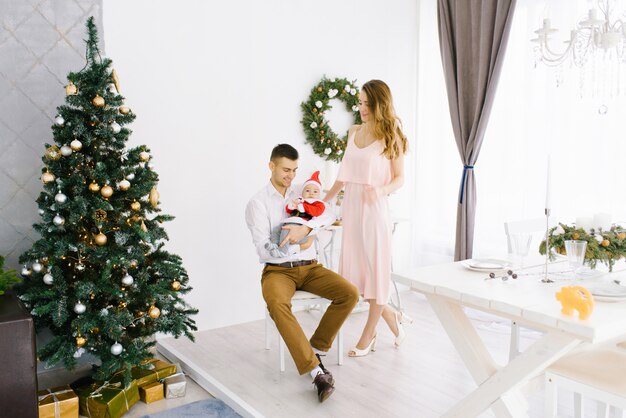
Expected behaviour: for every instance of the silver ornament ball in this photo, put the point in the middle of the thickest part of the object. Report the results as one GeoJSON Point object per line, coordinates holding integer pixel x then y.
{"type": "Point", "coordinates": [116, 127]}
{"type": "Point", "coordinates": [60, 198]}
{"type": "Point", "coordinates": [127, 280]}
{"type": "Point", "coordinates": [41, 211]}
{"type": "Point", "coordinates": [25, 271]}
{"type": "Point", "coordinates": [79, 308]}
{"type": "Point", "coordinates": [48, 279]}
{"type": "Point", "coordinates": [80, 267]}
{"type": "Point", "coordinates": [37, 267]}
{"type": "Point", "coordinates": [58, 220]}
{"type": "Point", "coordinates": [131, 176]}
{"type": "Point", "coordinates": [66, 151]}
{"type": "Point", "coordinates": [116, 349]}
{"type": "Point", "coordinates": [59, 121]}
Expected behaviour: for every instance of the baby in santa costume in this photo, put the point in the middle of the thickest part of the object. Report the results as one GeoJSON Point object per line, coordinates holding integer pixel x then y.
{"type": "Point", "coordinates": [302, 209]}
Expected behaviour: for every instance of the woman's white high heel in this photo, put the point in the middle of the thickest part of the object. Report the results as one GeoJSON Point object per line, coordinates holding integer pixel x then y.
{"type": "Point", "coordinates": [356, 352]}
{"type": "Point", "coordinates": [401, 333]}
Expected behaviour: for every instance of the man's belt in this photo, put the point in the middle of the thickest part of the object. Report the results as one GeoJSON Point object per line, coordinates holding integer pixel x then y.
{"type": "Point", "coordinates": [291, 264]}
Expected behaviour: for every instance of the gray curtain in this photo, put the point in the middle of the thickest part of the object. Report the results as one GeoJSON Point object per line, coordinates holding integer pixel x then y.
{"type": "Point", "coordinates": [472, 38]}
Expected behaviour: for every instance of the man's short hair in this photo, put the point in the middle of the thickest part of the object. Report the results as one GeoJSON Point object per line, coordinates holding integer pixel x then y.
{"type": "Point", "coordinates": [284, 150]}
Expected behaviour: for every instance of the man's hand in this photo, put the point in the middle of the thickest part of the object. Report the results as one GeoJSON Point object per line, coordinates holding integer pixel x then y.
{"type": "Point", "coordinates": [295, 234]}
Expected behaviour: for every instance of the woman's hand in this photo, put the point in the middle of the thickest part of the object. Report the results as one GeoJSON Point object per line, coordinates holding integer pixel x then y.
{"type": "Point", "coordinates": [372, 194]}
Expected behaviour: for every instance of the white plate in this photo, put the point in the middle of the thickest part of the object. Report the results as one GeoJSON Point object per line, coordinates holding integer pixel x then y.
{"type": "Point", "coordinates": [486, 264]}
{"type": "Point", "coordinates": [607, 291]}
{"type": "Point", "coordinates": [609, 298]}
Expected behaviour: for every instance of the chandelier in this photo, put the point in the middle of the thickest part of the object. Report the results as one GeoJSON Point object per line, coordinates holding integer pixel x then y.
{"type": "Point", "coordinates": [596, 46]}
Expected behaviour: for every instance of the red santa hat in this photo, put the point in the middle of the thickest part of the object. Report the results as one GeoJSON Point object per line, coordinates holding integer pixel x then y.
{"type": "Point", "coordinates": [315, 179]}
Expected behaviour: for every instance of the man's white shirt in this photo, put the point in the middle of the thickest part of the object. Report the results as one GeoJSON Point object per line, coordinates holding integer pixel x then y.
{"type": "Point", "coordinates": [265, 213]}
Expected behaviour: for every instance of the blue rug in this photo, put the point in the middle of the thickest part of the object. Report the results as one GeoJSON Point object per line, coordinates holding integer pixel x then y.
{"type": "Point", "coordinates": [208, 408]}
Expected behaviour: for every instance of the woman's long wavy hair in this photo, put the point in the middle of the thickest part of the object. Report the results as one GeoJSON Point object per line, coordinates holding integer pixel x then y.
{"type": "Point", "coordinates": [386, 125]}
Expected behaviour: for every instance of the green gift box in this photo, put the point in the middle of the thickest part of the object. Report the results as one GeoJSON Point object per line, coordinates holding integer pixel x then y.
{"type": "Point", "coordinates": [108, 399]}
{"type": "Point", "coordinates": [152, 370]}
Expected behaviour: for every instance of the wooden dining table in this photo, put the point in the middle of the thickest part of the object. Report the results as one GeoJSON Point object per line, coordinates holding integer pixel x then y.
{"type": "Point", "coordinates": [526, 300]}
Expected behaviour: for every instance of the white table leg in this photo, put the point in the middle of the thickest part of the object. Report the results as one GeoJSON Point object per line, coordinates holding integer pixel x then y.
{"type": "Point", "coordinates": [498, 388]}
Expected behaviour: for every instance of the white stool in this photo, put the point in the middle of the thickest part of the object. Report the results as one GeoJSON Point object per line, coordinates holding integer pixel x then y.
{"type": "Point", "coordinates": [301, 298]}
{"type": "Point", "coordinates": [597, 374]}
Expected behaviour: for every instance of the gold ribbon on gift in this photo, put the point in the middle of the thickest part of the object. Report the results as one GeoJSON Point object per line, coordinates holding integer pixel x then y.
{"type": "Point", "coordinates": [151, 371]}
{"type": "Point", "coordinates": [55, 399]}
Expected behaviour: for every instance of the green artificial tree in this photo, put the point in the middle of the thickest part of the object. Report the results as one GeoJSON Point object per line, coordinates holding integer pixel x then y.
{"type": "Point", "coordinates": [99, 277]}
{"type": "Point", "coordinates": [7, 277]}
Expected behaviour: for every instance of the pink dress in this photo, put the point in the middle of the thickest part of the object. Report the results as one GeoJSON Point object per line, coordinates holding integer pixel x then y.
{"type": "Point", "coordinates": [366, 244]}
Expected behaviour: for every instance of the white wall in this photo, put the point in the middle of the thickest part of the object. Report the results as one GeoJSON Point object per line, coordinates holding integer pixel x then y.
{"type": "Point", "coordinates": [216, 85]}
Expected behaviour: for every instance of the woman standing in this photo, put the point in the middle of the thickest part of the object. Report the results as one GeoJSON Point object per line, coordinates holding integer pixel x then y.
{"type": "Point", "coordinates": [372, 168]}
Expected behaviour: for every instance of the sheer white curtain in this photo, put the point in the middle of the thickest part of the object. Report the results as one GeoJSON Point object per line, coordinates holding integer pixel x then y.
{"type": "Point", "coordinates": [531, 119]}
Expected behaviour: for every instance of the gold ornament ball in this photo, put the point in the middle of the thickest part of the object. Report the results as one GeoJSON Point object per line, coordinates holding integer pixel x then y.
{"type": "Point", "coordinates": [621, 235]}
{"type": "Point", "coordinates": [106, 191]}
{"type": "Point", "coordinates": [124, 185]}
{"type": "Point", "coordinates": [71, 89]}
{"type": "Point", "coordinates": [94, 187]}
{"type": "Point", "coordinates": [133, 264]}
{"type": "Point", "coordinates": [605, 243]}
{"type": "Point", "coordinates": [98, 101]}
{"type": "Point", "coordinates": [176, 285]}
{"type": "Point", "coordinates": [47, 177]}
{"type": "Point", "coordinates": [95, 330]}
{"type": "Point", "coordinates": [80, 341]}
{"type": "Point", "coordinates": [53, 153]}
{"type": "Point", "coordinates": [154, 312]}
{"type": "Point", "coordinates": [144, 156]}
{"type": "Point", "coordinates": [124, 110]}
{"type": "Point", "coordinates": [101, 239]}
{"type": "Point", "coordinates": [135, 206]}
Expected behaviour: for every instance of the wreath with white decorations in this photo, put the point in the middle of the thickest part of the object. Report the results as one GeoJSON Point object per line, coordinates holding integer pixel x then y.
{"type": "Point", "coordinates": [326, 143]}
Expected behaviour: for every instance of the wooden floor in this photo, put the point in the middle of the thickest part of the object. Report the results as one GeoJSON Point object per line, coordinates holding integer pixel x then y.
{"type": "Point", "coordinates": [424, 378]}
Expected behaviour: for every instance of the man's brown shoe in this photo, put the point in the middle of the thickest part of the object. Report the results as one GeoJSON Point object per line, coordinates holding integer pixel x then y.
{"type": "Point", "coordinates": [324, 384]}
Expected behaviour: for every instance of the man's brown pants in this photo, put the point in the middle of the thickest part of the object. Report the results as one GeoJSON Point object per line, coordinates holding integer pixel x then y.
{"type": "Point", "coordinates": [279, 285]}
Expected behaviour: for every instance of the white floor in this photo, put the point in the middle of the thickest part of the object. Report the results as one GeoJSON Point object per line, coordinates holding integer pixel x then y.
{"type": "Point", "coordinates": [422, 379]}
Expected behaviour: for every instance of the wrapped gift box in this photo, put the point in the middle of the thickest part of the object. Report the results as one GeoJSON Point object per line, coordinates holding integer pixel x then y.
{"type": "Point", "coordinates": [59, 402]}
{"type": "Point", "coordinates": [108, 399]}
{"type": "Point", "coordinates": [151, 392]}
{"type": "Point", "coordinates": [152, 370]}
{"type": "Point", "coordinates": [18, 367]}
{"type": "Point", "coordinates": [175, 385]}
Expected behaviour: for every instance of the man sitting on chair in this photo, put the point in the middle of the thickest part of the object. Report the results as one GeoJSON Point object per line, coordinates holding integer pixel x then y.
{"type": "Point", "coordinates": [298, 270]}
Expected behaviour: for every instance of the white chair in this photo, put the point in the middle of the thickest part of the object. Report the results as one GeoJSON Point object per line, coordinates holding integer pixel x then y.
{"type": "Point", "coordinates": [597, 374]}
{"type": "Point", "coordinates": [528, 226]}
{"type": "Point", "coordinates": [299, 299]}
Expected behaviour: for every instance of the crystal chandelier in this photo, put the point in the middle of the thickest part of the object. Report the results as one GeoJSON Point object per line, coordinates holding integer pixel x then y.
{"type": "Point", "coordinates": [596, 46]}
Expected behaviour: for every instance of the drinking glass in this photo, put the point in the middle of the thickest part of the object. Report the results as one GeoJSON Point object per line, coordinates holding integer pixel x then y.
{"type": "Point", "coordinates": [520, 246]}
{"type": "Point", "coordinates": [575, 250]}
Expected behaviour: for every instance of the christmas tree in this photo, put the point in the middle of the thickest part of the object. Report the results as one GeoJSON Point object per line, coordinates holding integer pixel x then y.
{"type": "Point", "coordinates": [99, 277]}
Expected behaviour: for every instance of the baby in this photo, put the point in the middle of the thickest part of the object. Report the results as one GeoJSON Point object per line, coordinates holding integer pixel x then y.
{"type": "Point", "coordinates": [304, 208]}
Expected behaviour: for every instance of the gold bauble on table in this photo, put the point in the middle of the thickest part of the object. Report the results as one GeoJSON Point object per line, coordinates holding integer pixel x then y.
{"type": "Point", "coordinates": [47, 177]}
{"type": "Point", "coordinates": [124, 110]}
{"type": "Point", "coordinates": [71, 89]}
{"type": "Point", "coordinates": [80, 341]}
{"type": "Point", "coordinates": [154, 197]}
{"type": "Point", "coordinates": [98, 101]}
{"type": "Point", "coordinates": [154, 312]}
{"type": "Point", "coordinates": [106, 191]}
{"type": "Point", "coordinates": [94, 187]}
{"type": "Point", "coordinates": [100, 239]}
{"type": "Point", "coordinates": [176, 285]}
{"type": "Point", "coordinates": [135, 206]}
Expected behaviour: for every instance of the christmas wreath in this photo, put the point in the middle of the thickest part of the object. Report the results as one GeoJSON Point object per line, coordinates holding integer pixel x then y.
{"type": "Point", "coordinates": [326, 143]}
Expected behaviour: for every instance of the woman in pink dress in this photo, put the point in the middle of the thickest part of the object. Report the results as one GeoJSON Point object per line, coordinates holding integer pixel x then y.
{"type": "Point", "coordinates": [372, 168]}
